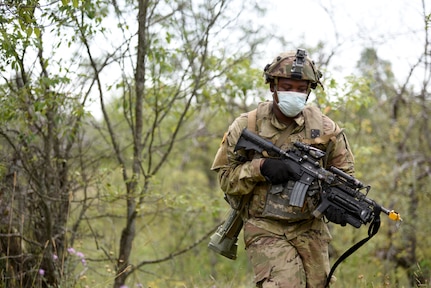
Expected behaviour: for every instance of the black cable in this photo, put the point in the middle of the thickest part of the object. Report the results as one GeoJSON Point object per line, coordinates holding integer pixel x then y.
{"type": "Point", "coordinates": [372, 230]}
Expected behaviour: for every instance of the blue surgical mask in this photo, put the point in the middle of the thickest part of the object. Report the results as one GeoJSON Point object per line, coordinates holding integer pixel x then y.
{"type": "Point", "coordinates": [291, 103]}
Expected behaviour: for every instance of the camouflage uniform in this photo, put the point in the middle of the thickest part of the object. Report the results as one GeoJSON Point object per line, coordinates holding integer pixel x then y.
{"type": "Point", "coordinates": [289, 251]}
{"type": "Point", "coordinates": [286, 245]}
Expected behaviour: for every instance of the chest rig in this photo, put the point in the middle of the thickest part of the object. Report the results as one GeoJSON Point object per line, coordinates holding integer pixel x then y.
{"type": "Point", "coordinates": [272, 201]}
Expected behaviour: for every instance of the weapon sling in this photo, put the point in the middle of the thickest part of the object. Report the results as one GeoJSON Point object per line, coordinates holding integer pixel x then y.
{"type": "Point", "coordinates": [372, 230]}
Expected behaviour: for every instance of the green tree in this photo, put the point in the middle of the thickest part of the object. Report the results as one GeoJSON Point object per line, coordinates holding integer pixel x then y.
{"type": "Point", "coordinates": [40, 127]}
{"type": "Point", "coordinates": [384, 120]}
{"type": "Point", "coordinates": [164, 67]}
{"type": "Point", "coordinates": [174, 77]}
{"type": "Point", "coordinates": [398, 117]}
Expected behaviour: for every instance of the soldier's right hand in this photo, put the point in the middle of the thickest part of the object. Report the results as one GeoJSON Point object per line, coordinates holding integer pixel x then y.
{"type": "Point", "coordinates": [275, 170]}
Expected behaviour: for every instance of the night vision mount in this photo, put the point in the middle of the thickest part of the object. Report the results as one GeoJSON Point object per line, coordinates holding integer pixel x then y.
{"type": "Point", "coordinates": [298, 64]}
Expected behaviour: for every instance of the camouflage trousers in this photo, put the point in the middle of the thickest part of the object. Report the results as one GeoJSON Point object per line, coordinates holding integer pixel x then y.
{"type": "Point", "coordinates": [301, 262]}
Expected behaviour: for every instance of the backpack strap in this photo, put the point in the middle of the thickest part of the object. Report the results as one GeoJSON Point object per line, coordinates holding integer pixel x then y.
{"type": "Point", "coordinates": [251, 120]}
{"type": "Point", "coordinates": [251, 125]}
{"type": "Point", "coordinates": [313, 122]}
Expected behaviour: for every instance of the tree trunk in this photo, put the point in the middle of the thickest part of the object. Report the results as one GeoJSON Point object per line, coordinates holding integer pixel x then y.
{"type": "Point", "coordinates": [128, 233]}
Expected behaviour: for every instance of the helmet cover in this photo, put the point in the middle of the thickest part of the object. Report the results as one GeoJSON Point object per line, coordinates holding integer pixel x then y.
{"type": "Point", "coordinates": [293, 65]}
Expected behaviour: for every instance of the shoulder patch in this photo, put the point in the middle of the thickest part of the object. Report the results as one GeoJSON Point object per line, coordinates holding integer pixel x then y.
{"type": "Point", "coordinates": [315, 133]}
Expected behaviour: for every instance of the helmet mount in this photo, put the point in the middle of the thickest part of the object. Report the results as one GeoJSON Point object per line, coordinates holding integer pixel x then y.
{"type": "Point", "coordinates": [298, 64]}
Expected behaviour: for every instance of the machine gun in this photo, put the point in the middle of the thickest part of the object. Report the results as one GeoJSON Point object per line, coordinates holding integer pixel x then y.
{"type": "Point", "coordinates": [342, 198]}
{"type": "Point", "coordinates": [340, 192]}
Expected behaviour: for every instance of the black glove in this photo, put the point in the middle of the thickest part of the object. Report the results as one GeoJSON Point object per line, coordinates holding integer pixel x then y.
{"type": "Point", "coordinates": [276, 171]}
{"type": "Point", "coordinates": [336, 215]}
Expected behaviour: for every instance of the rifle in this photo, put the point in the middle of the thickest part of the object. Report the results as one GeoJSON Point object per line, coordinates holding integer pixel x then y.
{"type": "Point", "coordinates": [341, 193]}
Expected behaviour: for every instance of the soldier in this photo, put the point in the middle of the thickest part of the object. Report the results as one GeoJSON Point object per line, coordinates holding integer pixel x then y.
{"type": "Point", "coordinates": [286, 245]}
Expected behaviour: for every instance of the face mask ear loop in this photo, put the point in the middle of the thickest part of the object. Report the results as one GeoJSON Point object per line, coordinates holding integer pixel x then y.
{"type": "Point", "coordinates": [275, 88]}
{"type": "Point", "coordinates": [309, 91]}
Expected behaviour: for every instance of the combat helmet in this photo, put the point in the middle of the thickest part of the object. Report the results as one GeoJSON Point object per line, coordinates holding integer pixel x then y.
{"type": "Point", "coordinates": [293, 65]}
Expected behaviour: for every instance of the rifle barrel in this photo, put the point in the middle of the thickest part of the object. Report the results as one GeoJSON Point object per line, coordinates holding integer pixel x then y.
{"type": "Point", "coordinates": [395, 216]}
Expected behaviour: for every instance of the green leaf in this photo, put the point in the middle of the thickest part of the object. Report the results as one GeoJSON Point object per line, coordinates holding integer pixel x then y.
{"type": "Point", "coordinates": [29, 31]}
{"type": "Point", "coordinates": [36, 31]}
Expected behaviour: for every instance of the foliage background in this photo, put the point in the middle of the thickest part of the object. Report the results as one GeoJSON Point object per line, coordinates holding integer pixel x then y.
{"type": "Point", "coordinates": [112, 111]}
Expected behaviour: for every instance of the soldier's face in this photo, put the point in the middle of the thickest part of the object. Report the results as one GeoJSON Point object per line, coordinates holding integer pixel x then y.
{"type": "Point", "coordinates": [285, 84]}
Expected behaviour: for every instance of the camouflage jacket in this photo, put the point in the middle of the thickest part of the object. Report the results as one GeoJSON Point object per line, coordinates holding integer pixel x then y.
{"type": "Point", "coordinates": [238, 177]}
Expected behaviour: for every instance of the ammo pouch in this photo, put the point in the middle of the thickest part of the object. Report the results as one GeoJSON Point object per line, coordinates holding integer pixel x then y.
{"type": "Point", "coordinates": [277, 203]}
